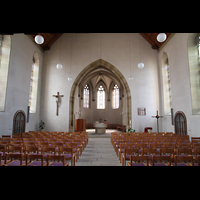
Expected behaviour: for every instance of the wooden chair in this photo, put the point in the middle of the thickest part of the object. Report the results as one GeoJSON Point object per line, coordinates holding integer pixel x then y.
{"type": "Point", "coordinates": [149, 152]}
{"type": "Point", "coordinates": [15, 150]}
{"type": "Point", "coordinates": [31, 150]}
{"type": "Point", "coordinates": [17, 160]}
{"type": "Point", "coordinates": [2, 152]}
{"type": "Point", "coordinates": [167, 152]}
{"type": "Point", "coordinates": [160, 158]}
{"type": "Point", "coordinates": [128, 153]}
{"type": "Point", "coordinates": [48, 151]}
{"type": "Point", "coordinates": [138, 159]}
{"type": "Point", "coordinates": [68, 153]}
{"type": "Point", "coordinates": [178, 159]}
{"type": "Point", "coordinates": [184, 151]}
{"type": "Point", "coordinates": [1, 161]}
{"type": "Point", "coordinates": [34, 160]}
{"type": "Point", "coordinates": [121, 149]}
{"type": "Point", "coordinates": [58, 158]}
{"type": "Point", "coordinates": [76, 149]}
{"type": "Point", "coordinates": [196, 154]}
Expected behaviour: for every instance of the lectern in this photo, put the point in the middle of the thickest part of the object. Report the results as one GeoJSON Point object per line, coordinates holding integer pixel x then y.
{"type": "Point", "coordinates": [80, 125]}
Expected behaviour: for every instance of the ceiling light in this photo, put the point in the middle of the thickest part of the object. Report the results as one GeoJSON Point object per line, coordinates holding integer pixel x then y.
{"type": "Point", "coordinates": [39, 39]}
{"type": "Point", "coordinates": [59, 66]}
{"type": "Point", "coordinates": [161, 37]}
{"type": "Point", "coordinates": [141, 65]}
{"type": "Point", "coordinates": [69, 78]}
{"type": "Point", "coordinates": [130, 78]}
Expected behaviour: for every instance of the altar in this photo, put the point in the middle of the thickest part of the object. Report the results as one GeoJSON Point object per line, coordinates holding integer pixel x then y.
{"type": "Point", "coordinates": [100, 127]}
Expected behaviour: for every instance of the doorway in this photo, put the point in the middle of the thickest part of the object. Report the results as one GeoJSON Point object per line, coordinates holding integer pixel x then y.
{"type": "Point", "coordinates": [180, 123]}
{"type": "Point", "coordinates": [19, 122]}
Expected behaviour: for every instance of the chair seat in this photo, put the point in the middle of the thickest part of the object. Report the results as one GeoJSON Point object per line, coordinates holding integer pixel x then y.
{"type": "Point", "coordinates": [158, 164]}
{"type": "Point", "coordinates": [179, 164]}
{"type": "Point", "coordinates": [45, 155]}
{"type": "Point", "coordinates": [15, 163]}
{"type": "Point", "coordinates": [59, 164]}
{"type": "Point", "coordinates": [67, 155]}
{"type": "Point", "coordinates": [138, 164]}
{"type": "Point", "coordinates": [37, 163]}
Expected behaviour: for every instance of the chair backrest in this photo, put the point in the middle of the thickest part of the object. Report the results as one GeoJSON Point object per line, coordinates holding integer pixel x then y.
{"type": "Point", "coordinates": [14, 149]}
{"type": "Point", "coordinates": [139, 158]}
{"type": "Point", "coordinates": [166, 151]}
{"type": "Point", "coordinates": [147, 151]}
{"type": "Point", "coordinates": [188, 158]}
{"type": "Point", "coordinates": [56, 157]}
{"type": "Point", "coordinates": [13, 156]}
{"type": "Point", "coordinates": [187, 151]}
{"type": "Point", "coordinates": [34, 157]}
{"type": "Point", "coordinates": [132, 151]}
{"type": "Point", "coordinates": [31, 149]}
{"type": "Point", "coordinates": [156, 158]}
{"type": "Point", "coordinates": [48, 150]}
{"type": "Point", "coordinates": [0, 158]}
{"type": "Point", "coordinates": [66, 150]}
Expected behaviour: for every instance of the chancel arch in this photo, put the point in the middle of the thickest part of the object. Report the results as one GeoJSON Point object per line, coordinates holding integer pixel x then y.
{"type": "Point", "coordinates": [99, 71]}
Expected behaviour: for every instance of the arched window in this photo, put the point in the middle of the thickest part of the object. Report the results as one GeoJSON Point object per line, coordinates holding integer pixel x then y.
{"type": "Point", "coordinates": [5, 43]}
{"type": "Point", "coordinates": [86, 94]}
{"type": "Point", "coordinates": [194, 67]}
{"type": "Point", "coordinates": [115, 97]}
{"type": "Point", "coordinates": [34, 83]}
{"type": "Point", "coordinates": [101, 98]}
{"type": "Point", "coordinates": [166, 85]}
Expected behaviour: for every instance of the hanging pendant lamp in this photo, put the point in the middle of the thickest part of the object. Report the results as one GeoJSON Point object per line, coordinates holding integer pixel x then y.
{"type": "Point", "coordinates": [141, 64]}
{"type": "Point", "coordinates": [161, 37]}
{"type": "Point", "coordinates": [59, 66]}
{"type": "Point", "coordinates": [39, 39]}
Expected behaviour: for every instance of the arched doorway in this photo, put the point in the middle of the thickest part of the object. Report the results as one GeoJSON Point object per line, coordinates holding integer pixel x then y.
{"type": "Point", "coordinates": [91, 67]}
{"type": "Point", "coordinates": [19, 122]}
{"type": "Point", "coordinates": [180, 123]}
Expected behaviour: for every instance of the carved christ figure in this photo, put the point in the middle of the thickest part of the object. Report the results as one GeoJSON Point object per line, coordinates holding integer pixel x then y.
{"type": "Point", "coordinates": [57, 100]}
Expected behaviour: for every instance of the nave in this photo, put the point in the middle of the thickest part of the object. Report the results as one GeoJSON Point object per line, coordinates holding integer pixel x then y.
{"type": "Point", "coordinates": [99, 152]}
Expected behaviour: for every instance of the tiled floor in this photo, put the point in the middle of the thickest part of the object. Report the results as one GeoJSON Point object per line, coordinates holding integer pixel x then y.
{"type": "Point", "coordinates": [99, 151]}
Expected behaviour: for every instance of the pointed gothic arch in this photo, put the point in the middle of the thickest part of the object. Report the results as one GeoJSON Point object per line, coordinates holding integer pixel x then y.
{"type": "Point", "coordinates": [88, 69]}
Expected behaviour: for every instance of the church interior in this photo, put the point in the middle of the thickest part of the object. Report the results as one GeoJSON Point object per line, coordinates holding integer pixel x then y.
{"type": "Point", "coordinates": [124, 80]}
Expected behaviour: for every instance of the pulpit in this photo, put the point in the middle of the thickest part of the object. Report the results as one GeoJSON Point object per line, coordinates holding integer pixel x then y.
{"type": "Point", "coordinates": [80, 125]}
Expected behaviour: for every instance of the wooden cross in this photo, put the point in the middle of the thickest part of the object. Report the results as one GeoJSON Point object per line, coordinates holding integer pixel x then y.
{"type": "Point", "coordinates": [57, 100]}
{"type": "Point", "coordinates": [157, 117]}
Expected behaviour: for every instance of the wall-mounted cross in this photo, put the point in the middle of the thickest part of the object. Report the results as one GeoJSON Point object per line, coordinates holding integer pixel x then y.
{"type": "Point", "coordinates": [157, 117]}
{"type": "Point", "coordinates": [57, 100]}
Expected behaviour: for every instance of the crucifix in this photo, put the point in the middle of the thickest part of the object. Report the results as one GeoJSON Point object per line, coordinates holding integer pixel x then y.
{"type": "Point", "coordinates": [157, 117]}
{"type": "Point", "coordinates": [57, 100]}
{"type": "Point", "coordinates": [100, 119]}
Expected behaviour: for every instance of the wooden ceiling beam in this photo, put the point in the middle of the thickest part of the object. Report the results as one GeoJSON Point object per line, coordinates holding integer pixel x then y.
{"type": "Point", "coordinates": [153, 44]}
{"type": "Point", "coordinates": [48, 45]}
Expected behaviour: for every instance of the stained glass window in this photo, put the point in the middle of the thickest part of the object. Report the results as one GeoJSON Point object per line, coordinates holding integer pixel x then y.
{"type": "Point", "coordinates": [101, 98]}
{"type": "Point", "coordinates": [115, 97]}
{"type": "Point", "coordinates": [86, 97]}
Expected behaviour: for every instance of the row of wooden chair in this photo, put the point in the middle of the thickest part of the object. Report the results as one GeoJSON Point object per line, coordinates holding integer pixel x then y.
{"type": "Point", "coordinates": [154, 145]}
{"type": "Point", "coordinates": [68, 153]}
{"type": "Point", "coordinates": [33, 160]}
{"type": "Point", "coordinates": [163, 161]}
{"type": "Point", "coordinates": [150, 152]}
{"type": "Point", "coordinates": [76, 141]}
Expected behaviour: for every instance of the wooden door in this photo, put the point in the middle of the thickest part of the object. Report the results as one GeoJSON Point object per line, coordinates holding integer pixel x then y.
{"type": "Point", "coordinates": [180, 123]}
{"type": "Point", "coordinates": [19, 122]}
